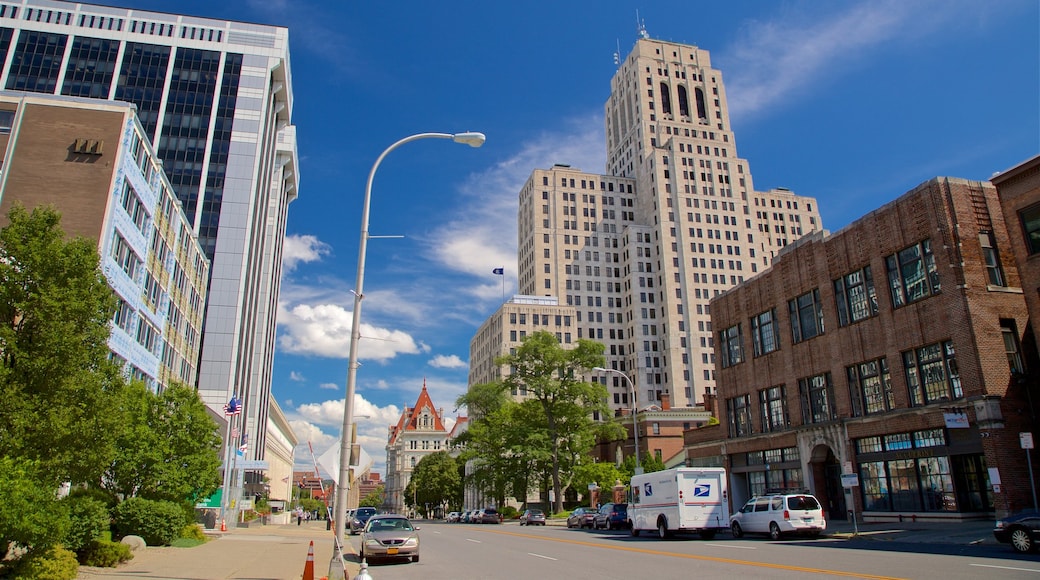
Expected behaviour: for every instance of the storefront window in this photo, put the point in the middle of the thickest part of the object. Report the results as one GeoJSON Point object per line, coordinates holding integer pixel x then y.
{"type": "Point", "coordinates": [936, 484]}
{"type": "Point", "coordinates": [874, 482]}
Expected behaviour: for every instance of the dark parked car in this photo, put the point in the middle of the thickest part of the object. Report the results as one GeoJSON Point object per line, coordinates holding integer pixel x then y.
{"type": "Point", "coordinates": [581, 517]}
{"type": "Point", "coordinates": [612, 516]}
{"type": "Point", "coordinates": [361, 515]}
{"type": "Point", "coordinates": [490, 516]}
{"type": "Point", "coordinates": [532, 517]}
{"type": "Point", "coordinates": [1021, 530]}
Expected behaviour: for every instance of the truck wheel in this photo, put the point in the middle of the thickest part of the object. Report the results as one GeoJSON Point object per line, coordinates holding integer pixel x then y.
{"type": "Point", "coordinates": [774, 531]}
{"type": "Point", "coordinates": [662, 528]}
{"type": "Point", "coordinates": [707, 534]}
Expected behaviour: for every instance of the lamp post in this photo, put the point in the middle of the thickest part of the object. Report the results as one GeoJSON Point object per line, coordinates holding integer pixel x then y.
{"type": "Point", "coordinates": [471, 139]}
{"type": "Point", "coordinates": [635, 411]}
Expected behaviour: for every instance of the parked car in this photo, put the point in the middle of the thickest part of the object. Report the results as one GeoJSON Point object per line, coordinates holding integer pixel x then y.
{"type": "Point", "coordinates": [361, 516]}
{"type": "Point", "coordinates": [389, 536]}
{"type": "Point", "coordinates": [532, 517]}
{"type": "Point", "coordinates": [490, 516]}
{"type": "Point", "coordinates": [612, 516]}
{"type": "Point", "coordinates": [582, 517]}
{"type": "Point", "coordinates": [452, 517]}
{"type": "Point", "coordinates": [1021, 530]}
{"type": "Point", "coordinates": [777, 515]}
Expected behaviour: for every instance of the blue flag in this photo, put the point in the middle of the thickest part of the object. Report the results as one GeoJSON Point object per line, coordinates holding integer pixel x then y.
{"type": "Point", "coordinates": [499, 271]}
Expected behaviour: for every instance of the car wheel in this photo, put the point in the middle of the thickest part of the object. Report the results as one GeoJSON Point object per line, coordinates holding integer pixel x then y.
{"type": "Point", "coordinates": [662, 528]}
{"type": "Point", "coordinates": [1021, 541]}
{"type": "Point", "coordinates": [632, 530]}
{"type": "Point", "coordinates": [521, 523]}
{"type": "Point", "coordinates": [774, 531]}
{"type": "Point", "coordinates": [736, 530]}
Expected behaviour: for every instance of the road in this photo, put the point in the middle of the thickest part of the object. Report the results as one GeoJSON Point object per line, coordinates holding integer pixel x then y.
{"type": "Point", "coordinates": [510, 551]}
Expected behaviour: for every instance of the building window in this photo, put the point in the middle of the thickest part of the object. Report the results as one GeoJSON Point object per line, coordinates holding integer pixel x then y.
{"type": "Point", "coordinates": [870, 387]}
{"type": "Point", "coordinates": [1031, 228]}
{"type": "Point", "coordinates": [773, 402]}
{"type": "Point", "coordinates": [731, 346]}
{"type": "Point", "coordinates": [763, 333]}
{"type": "Point", "coordinates": [912, 275]}
{"type": "Point", "coordinates": [1011, 345]}
{"type": "Point", "coordinates": [931, 374]}
{"type": "Point", "coordinates": [6, 122]}
{"type": "Point", "coordinates": [806, 316]}
{"type": "Point", "coordinates": [855, 296]}
{"type": "Point", "coordinates": [912, 484]}
{"type": "Point", "coordinates": [739, 409]}
{"type": "Point", "coordinates": [817, 395]}
{"type": "Point", "coordinates": [994, 271]}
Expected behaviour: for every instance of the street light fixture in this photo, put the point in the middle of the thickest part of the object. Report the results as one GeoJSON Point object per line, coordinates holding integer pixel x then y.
{"type": "Point", "coordinates": [472, 139]}
{"type": "Point", "coordinates": [635, 411]}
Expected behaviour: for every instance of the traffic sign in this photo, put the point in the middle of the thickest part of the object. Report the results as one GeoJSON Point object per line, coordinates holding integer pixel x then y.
{"type": "Point", "coordinates": [1026, 440]}
{"type": "Point", "coordinates": [849, 480]}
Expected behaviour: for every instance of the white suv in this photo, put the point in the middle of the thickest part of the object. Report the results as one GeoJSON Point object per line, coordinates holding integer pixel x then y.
{"type": "Point", "coordinates": [779, 514]}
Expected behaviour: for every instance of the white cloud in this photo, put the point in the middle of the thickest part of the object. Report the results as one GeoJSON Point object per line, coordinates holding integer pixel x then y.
{"type": "Point", "coordinates": [295, 376]}
{"type": "Point", "coordinates": [776, 60]}
{"type": "Point", "coordinates": [324, 330]}
{"type": "Point", "coordinates": [302, 248]}
{"type": "Point", "coordinates": [447, 362]}
{"type": "Point", "coordinates": [329, 386]}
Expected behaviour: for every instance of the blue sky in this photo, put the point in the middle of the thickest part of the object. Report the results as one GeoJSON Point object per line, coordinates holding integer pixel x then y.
{"type": "Point", "coordinates": [851, 102]}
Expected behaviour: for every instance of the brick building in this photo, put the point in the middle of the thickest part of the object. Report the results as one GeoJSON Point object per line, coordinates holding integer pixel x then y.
{"type": "Point", "coordinates": [885, 350]}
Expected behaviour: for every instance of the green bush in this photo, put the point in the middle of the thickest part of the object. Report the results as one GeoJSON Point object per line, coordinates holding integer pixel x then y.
{"type": "Point", "coordinates": [157, 522]}
{"type": "Point", "coordinates": [54, 563]}
{"type": "Point", "coordinates": [193, 532]}
{"type": "Point", "coordinates": [88, 518]}
{"type": "Point", "coordinates": [104, 554]}
{"type": "Point", "coordinates": [509, 512]}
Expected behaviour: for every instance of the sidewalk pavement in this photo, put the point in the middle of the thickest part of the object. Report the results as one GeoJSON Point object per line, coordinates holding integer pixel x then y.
{"type": "Point", "coordinates": [276, 552]}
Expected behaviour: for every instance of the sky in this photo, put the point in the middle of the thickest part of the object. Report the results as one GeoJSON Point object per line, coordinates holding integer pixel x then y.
{"type": "Point", "coordinates": [851, 102]}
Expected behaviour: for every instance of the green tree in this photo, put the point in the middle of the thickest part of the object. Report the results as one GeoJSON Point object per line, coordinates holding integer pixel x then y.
{"type": "Point", "coordinates": [57, 386]}
{"type": "Point", "coordinates": [551, 376]}
{"type": "Point", "coordinates": [169, 447]}
{"type": "Point", "coordinates": [604, 474]}
{"type": "Point", "coordinates": [373, 498]}
{"type": "Point", "coordinates": [30, 513]}
{"type": "Point", "coordinates": [434, 482]}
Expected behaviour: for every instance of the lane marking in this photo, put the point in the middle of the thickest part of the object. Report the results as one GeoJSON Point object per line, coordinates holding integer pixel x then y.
{"type": "Point", "coordinates": [731, 546]}
{"type": "Point", "coordinates": [541, 556]}
{"type": "Point", "coordinates": [701, 558]}
{"type": "Point", "coordinates": [1007, 568]}
{"type": "Point", "coordinates": [474, 541]}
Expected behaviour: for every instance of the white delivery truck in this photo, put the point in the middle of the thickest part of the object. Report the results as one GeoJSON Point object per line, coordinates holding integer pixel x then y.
{"type": "Point", "coordinates": [684, 499]}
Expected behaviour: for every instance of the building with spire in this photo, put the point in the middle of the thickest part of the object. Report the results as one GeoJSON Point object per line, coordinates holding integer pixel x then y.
{"type": "Point", "coordinates": [214, 100]}
{"type": "Point", "coordinates": [418, 433]}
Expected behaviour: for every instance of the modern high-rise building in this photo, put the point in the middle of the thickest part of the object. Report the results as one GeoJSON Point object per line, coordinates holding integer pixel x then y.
{"type": "Point", "coordinates": [639, 252]}
{"type": "Point", "coordinates": [214, 98]}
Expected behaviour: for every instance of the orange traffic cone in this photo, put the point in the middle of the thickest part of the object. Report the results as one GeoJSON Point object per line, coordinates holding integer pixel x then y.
{"type": "Point", "coordinates": [308, 568]}
{"type": "Point", "coordinates": [223, 526]}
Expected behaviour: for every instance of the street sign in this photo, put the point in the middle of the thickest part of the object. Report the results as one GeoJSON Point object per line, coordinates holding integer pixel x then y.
{"type": "Point", "coordinates": [1026, 439]}
{"type": "Point", "coordinates": [849, 480]}
{"type": "Point", "coordinates": [251, 464]}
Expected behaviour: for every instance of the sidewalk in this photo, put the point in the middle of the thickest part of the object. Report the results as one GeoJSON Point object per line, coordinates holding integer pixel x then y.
{"type": "Point", "coordinates": [258, 552]}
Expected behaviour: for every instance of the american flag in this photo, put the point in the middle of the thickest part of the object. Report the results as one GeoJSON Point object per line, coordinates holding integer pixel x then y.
{"type": "Point", "coordinates": [233, 407]}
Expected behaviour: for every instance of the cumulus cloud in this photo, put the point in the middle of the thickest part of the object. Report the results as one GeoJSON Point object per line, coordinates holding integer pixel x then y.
{"type": "Point", "coordinates": [447, 362]}
{"type": "Point", "coordinates": [295, 376]}
{"type": "Point", "coordinates": [302, 248]}
{"type": "Point", "coordinates": [324, 330]}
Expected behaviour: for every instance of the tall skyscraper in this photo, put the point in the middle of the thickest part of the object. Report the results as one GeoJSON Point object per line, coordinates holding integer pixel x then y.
{"type": "Point", "coordinates": [639, 252]}
{"type": "Point", "coordinates": [215, 100]}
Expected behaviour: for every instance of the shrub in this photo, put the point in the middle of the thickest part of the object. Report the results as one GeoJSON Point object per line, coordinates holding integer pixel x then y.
{"type": "Point", "coordinates": [54, 563]}
{"type": "Point", "coordinates": [193, 532]}
{"type": "Point", "coordinates": [88, 518]}
{"type": "Point", "coordinates": [509, 512]}
{"type": "Point", "coordinates": [157, 522]}
{"type": "Point", "coordinates": [105, 554]}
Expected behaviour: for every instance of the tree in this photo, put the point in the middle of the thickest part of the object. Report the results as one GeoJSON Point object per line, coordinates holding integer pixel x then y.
{"type": "Point", "coordinates": [550, 376]}
{"type": "Point", "coordinates": [169, 447]}
{"type": "Point", "coordinates": [435, 481]}
{"type": "Point", "coordinates": [57, 387]}
{"type": "Point", "coordinates": [373, 498]}
{"type": "Point", "coordinates": [604, 474]}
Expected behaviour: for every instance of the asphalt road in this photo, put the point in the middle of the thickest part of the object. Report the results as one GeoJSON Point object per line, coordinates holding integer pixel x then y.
{"type": "Point", "coordinates": [514, 552]}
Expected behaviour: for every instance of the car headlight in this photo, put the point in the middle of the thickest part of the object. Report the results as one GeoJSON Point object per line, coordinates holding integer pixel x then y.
{"type": "Point", "coordinates": [411, 542]}
{"type": "Point", "coordinates": [372, 542]}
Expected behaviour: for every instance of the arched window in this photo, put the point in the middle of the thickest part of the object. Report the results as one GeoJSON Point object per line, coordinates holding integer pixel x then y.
{"type": "Point", "coordinates": [702, 111]}
{"type": "Point", "coordinates": [684, 102]}
{"type": "Point", "coordinates": [666, 99]}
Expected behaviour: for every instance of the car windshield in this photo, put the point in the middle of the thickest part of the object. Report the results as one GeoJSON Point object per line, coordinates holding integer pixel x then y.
{"type": "Point", "coordinates": [802, 502]}
{"type": "Point", "coordinates": [389, 525]}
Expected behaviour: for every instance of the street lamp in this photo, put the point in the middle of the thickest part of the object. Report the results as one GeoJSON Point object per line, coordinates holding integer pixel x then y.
{"type": "Point", "coordinates": [469, 138]}
{"type": "Point", "coordinates": [635, 411]}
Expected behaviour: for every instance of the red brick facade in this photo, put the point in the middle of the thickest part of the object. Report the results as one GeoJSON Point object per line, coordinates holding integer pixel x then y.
{"type": "Point", "coordinates": [951, 331]}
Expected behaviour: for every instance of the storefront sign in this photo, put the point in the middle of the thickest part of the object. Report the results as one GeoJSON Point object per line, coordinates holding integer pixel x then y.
{"type": "Point", "coordinates": [956, 420]}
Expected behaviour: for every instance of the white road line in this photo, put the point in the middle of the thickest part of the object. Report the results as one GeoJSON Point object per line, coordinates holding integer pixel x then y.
{"type": "Point", "coordinates": [728, 545]}
{"type": "Point", "coordinates": [1007, 568]}
{"type": "Point", "coordinates": [474, 541]}
{"type": "Point", "coordinates": [541, 556]}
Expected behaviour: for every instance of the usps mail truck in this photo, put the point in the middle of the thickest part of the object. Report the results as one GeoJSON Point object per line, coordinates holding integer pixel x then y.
{"type": "Point", "coordinates": [680, 500]}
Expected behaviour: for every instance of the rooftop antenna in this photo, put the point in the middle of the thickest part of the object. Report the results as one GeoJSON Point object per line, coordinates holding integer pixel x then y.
{"type": "Point", "coordinates": [617, 55]}
{"type": "Point", "coordinates": [641, 27]}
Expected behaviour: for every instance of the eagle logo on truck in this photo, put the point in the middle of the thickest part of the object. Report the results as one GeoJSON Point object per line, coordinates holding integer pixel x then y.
{"type": "Point", "coordinates": [647, 490]}
{"type": "Point", "coordinates": [702, 490]}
